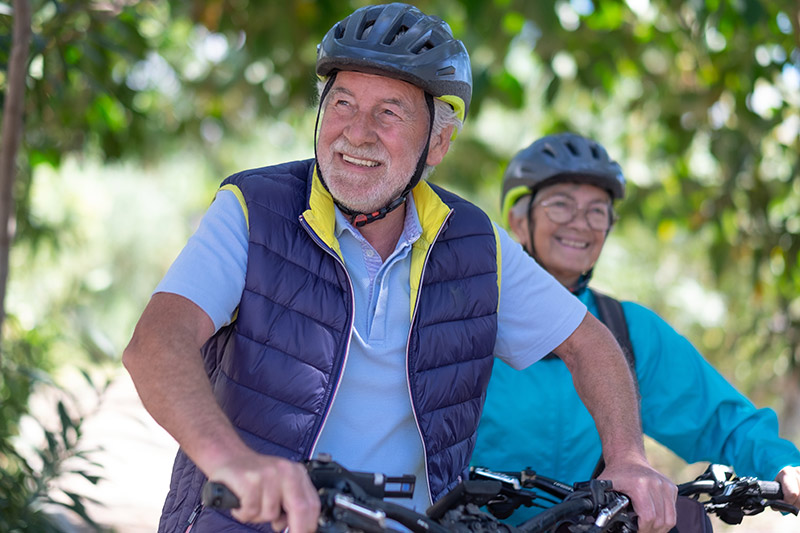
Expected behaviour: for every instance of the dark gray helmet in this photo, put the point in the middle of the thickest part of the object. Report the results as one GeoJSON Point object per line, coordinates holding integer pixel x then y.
{"type": "Point", "coordinates": [400, 41]}
{"type": "Point", "coordinates": [563, 157]}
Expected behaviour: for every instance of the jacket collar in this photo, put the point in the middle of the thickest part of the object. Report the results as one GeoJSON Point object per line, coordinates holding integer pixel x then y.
{"type": "Point", "coordinates": [321, 213]}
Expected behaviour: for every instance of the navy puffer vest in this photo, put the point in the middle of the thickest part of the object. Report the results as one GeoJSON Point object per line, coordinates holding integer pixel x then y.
{"type": "Point", "coordinates": [274, 369]}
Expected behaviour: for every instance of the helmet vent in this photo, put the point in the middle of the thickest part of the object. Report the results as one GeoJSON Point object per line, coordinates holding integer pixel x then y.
{"type": "Point", "coordinates": [595, 152]}
{"type": "Point", "coordinates": [549, 151]}
{"type": "Point", "coordinates": [391, 37]}
{"type": "Point", "coordinates": [572, 149]}
{"type": "Point", "coordinates": [339, 31]}
{"type": "Point", "coordinates": [367, 28]}
{"type": "Point", "coordinates": [427, 45]}
{"type": "Point", "coordinates": [446, 71]}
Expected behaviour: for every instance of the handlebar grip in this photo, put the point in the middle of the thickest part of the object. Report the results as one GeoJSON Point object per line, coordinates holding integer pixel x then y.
{"type": "Point", "coordinates": [771, 490]}
{"type": "Point", "coordinates": [218, 496]}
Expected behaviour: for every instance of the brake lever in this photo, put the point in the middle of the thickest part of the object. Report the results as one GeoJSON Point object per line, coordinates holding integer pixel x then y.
{"type": "Point", "coordinates": [610, 511]}
{"type": "Point", "coordinates": [498, 476]}
{"type": "Point", "coordinates": [784, 507]}
{"type": "Point", "coordinates": [347, 502]}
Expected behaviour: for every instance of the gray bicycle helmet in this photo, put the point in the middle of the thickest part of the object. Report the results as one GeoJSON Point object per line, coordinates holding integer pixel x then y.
{"type": "Point", "coordinates": [562, 157]}
{"type": "Point", "coordinates": [400, 41]}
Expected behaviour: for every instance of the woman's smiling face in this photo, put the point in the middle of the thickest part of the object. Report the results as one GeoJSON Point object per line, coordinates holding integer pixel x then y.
{"type": "Point", "coordinates": [568, 249]}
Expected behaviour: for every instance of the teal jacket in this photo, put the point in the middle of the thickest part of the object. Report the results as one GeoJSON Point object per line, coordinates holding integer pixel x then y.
{"type": "Point", "coordinates": [534, 418]}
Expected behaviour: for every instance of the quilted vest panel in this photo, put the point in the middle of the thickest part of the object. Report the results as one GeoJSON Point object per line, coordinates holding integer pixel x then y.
{"type": "Point", "coordinates": [452, 341]}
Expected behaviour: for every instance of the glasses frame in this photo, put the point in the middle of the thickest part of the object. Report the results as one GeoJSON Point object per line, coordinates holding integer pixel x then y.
{"type": "Point", "coordinates": [547, 202]}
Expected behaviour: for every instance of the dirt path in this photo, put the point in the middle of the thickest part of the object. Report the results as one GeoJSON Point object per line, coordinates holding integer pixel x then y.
{"type": "Point", "coordinates": [136, 457]}
{"type": "Point", "coordinates": [137, 460]}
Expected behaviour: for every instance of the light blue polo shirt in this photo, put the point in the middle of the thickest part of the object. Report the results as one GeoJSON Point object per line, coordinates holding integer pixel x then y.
{"type": "Point", "coordinates": [371, 426]}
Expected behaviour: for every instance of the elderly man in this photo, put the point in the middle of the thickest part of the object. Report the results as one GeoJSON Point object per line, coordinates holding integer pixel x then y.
{"type": "Point", "coordinates": [342, 304]}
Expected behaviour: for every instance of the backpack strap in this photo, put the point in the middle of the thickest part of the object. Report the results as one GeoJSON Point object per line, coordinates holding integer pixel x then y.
{"type": "Point", "coordinates": [610, 313]}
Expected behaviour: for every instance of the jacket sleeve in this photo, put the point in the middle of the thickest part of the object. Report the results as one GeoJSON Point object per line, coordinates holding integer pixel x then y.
{"type": "Point", "coordinates": [693, 410]}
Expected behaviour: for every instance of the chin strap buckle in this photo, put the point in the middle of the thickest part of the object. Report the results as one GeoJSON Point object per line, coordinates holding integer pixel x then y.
{"type": "Point", "coordinates": [363, 219]}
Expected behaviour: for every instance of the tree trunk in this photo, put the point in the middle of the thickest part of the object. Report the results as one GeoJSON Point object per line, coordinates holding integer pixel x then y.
{"type": "Point", "coordinates": [11, 137]}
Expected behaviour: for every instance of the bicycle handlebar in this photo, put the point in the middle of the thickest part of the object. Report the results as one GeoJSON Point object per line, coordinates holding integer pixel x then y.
{"type": "Point", "coordinates": [593, 503]}
{"type": "Point", "coordinates": [526, 478]}
{"type": "Point", "coordinates": [769, 490]}
{"type": "Point", "coordinates": [353, 501]}
{"type": "Point", "coordinates": [732, 498]}
{"type": "Point", "coordinates": [326, 473]}
{"type": "Point", "coordinates": [218, 496]}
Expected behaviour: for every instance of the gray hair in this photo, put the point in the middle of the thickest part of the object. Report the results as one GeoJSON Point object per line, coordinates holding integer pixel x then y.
{"type": "Point", "coordinates": [520, 207]}
{"type": "Point", "coordinates": [443, 116]}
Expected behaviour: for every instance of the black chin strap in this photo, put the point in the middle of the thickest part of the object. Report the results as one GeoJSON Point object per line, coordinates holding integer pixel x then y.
{"type": "Point", "coordinates": [325, 91]}
{"type": "Point", "coordinates": [424, 156]}
{"type": "Point", "coordinates": [583, 282]}
{"type": "Point", "coordinates": [357, 218]}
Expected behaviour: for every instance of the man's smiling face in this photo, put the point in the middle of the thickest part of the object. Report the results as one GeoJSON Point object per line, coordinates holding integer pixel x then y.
{"type": "Point", "coordinates": [371, 136]}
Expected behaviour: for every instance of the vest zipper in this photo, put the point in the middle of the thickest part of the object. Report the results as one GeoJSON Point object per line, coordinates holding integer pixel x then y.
{"type": "Point", "coordinates": [193, 517]}
{"type": "Point", "coordinates": [408, 355]}
{"type": "Point", "coordinates": [339, 371]}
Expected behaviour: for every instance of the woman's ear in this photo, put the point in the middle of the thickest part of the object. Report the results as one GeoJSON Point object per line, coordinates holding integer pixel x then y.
{"type": "Point", "coordinates": [518, 226]}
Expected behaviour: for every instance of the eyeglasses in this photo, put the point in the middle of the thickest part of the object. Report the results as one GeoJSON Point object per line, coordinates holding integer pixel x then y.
{"type": "Point", "coordinates": [563, 210]}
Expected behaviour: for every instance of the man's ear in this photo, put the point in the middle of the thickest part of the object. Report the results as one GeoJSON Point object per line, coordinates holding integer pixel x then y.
{"type": "Point", "coordinates": [439, 146]}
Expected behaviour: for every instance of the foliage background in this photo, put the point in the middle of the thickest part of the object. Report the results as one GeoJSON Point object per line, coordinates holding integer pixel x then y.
{"type": "Point", "coordinates": [136, 110]}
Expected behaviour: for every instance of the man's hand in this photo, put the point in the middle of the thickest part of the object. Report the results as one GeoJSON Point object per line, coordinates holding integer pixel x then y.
{"type": "Point", "coordinates": [789, 478]}
{"type": "Point", "coordinates": [608, 390]}
{"type": "Point", "coordinates": [271, 489]}
{"type": "Point", "coordinates": [652, 495]}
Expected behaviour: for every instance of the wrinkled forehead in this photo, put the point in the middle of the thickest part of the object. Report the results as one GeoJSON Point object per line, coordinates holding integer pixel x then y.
{"type": "Point", "coordinates": [378, 87]}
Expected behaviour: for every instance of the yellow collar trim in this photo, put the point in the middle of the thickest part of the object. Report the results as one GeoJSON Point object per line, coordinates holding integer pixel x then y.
{"type": "Point", "coordinates": [432, 213]}
{"type": "Point", "coordinates": [321, 214]}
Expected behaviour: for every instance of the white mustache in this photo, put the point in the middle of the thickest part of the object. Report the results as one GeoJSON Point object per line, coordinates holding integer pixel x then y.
{"type": "Point", "coordinates": [373, 153]}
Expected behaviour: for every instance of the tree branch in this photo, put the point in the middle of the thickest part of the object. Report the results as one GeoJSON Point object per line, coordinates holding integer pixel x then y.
{"type": "Point", "coordinates": [11, 136]}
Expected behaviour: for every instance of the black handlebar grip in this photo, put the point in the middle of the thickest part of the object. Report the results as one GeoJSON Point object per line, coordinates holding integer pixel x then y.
{"type": "Point", "coordinates": [218, 496]}
{"type": "Point", "coordinates": [771, 490]}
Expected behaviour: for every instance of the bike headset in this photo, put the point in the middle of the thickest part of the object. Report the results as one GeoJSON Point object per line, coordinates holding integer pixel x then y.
{"type": "Point", "coordinates": [565, 157]}
{"type": "Point", "coordinates": [397, 41]}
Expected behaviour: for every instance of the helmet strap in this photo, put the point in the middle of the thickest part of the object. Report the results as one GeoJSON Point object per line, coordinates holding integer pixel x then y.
{"type": "Point", "coordinates": [325, 91]}
{"type": "Point", "coordinates": [357, 218]}
{"type": "Point", "coordinates": [361, 219]}
{"type": "Point", "coordinates": [582, 283]}
{"type": "Point", "coordinates": [423, 158]}
{"type": "Point", "coordinates": [530, 248]}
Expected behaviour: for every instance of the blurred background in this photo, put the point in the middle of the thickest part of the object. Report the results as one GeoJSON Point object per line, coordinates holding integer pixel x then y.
{"type": "Point", "coordinates": [120, 118]}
